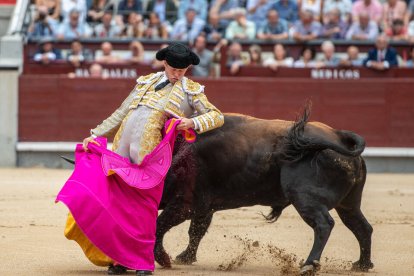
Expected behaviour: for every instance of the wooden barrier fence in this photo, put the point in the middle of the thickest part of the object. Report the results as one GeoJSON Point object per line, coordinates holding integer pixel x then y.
{"type": "Point", "coordinates": [57, 108]}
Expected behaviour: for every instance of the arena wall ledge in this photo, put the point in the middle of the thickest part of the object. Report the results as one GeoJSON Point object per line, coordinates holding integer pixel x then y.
{"type": "Point", "coordinates": [48, 154]}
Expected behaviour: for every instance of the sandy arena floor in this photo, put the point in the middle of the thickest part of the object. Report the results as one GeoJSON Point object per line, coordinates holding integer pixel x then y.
{"type": "Point", "coordinates": [239, 242]}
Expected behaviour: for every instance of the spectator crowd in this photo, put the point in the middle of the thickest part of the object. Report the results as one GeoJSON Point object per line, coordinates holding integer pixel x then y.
{"type": "Point", "coordinates": [229, 21]}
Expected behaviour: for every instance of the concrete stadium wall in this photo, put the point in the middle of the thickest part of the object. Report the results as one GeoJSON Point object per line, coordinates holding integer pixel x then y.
{"type": "Point", "coordinates": [5, 15]}
{"type": "Point", "coordinates": [8, 114]}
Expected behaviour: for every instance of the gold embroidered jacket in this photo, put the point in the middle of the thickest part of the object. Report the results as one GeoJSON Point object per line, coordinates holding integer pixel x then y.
{"type": "Point", "coordinates": [187, 99]}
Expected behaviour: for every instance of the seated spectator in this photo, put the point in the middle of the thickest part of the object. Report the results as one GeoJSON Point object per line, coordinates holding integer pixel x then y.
{"type": "Point", "coordinates": [306, 28]}
{"type": "Point", "coordinates": [372, 8]}
{"type": "Point", "coordinates": [397, 30]}
{"type": "Point", "coordinates": [135, 27]}
{"type": "Point", "coordinates": [205, 67]}
{"type": "Point", "coordinates": [224, 9]}
{"type": "Point", "coordinates": [328, 58]}
{"type": "Point", "coordinates": [307, 58]}
{"type": "Point", "coordinates": [334, 28]}
{"type": "Point", "coordinates": [108, 28]}
{"type": "Point", "coordinates": [410, 12]}
{"type": "Point", "coordinates": [95, 11]}
{"type": "Point", "coordinates": [218, 50]}
{"type": "Point", "coordinates": [275, 27]}
{"type": "Point", "coordinates": [214, 30]}
{"type": "Point", "coordinates": [234, 58]}
{"type": "Point", "coordinates": [410, 63]}
{"type": "Point", "coordinates": [166, 10]}
{"type": "Point", "coordinates": [343, 6]}
{"type": "Point", "coordinates": [43, 25]}
{"type": "Point", "coordinates": [47, 53]}
{"type": "Point", "coordinates": [154, 28]}
{"type": "Point", "coordinates": [352, 59]}
{"type": "Point", "coordinates": [74, 28]}
{"type": "Point", "coordinates": [136, 53]}
{"type": "Point", "coordinates": [126, 7]}
{"type": "Point", "coordinates": [78, 54]}
{"type": "Point", "coordinates": [287, 10]}
{"type": "Point", "coordinates": [255, 55]}
{"type": "Point", "coordinates": [187, 28]}
{"type": "Point", "coordinates": [364, 29]}
{"type": "Point", "coordinates": [158, 64]}
{"type": "Point", "coordinates": [107, 56]}
{"type": "Point", "coordinates": [53, 8]}
{"type": "Point", "coordinates": [240, 27]}
{"type": "Point", "coordinates": [393, 9]}
{"type": "Point", "coordinates": [257, 11]}
{"type": "Point", "coordinates": [69, 5]}
{"type": "Point", "coordinates": [382, 57]}
{"type": "Point", "coordinates": [280, 58]}
{"type": "Point", "coordinates": [96, 71]}
{"type": "Point", "coordinates": [199, 6]}
{"type": "Point", "coordinates": [315, 6]}
{"type": "Point", "coordinates": [410, 30]}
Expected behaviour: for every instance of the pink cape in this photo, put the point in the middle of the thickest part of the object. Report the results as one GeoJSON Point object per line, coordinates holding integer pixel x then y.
{"type": "Point", "coordinates": [115, 203]}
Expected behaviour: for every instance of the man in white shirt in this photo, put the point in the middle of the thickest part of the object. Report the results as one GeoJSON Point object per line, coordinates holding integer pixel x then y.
{"type": "Point", "coordinates": [189, 27]}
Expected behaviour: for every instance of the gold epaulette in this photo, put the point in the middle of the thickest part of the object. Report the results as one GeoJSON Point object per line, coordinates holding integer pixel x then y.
{"type": "Point", "coordinates": [148, 78]}
{"type": "Point", "coordinates": [192, 87]}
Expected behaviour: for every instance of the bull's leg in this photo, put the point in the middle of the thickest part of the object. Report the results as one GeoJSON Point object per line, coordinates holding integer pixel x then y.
{"type": "Point", "coordinates": [198, 228]}
{"type": "Point", "coordinates": [170, 217]}
{"type": "Point", "coordinates": [357, 223]}
{"type": "Point", "coordinates": [317, 217]}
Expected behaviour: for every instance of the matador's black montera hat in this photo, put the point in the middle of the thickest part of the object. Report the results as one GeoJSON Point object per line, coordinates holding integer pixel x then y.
{"type": "Point", "coordinates": [178, 56]}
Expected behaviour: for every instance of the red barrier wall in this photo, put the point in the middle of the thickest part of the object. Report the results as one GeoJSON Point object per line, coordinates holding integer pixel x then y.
{"type": "Point", "coordinates": [55, 108]}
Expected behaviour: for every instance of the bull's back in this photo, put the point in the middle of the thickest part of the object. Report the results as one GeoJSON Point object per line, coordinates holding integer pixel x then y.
{"type": "Point", "coordinates": [236, 162]}
{"type": "Point", "coordinates": [241, 139]}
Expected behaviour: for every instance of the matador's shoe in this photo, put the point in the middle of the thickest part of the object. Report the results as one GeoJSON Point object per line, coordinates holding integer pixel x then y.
{"type": "Point", "coordinates": [116, 270]}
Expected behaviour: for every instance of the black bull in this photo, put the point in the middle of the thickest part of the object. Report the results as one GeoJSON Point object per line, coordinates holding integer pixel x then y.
{"type": "Point", "coordinates": [273, 163]}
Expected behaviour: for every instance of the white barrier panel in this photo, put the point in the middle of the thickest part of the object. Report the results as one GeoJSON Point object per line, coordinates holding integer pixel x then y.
{"type": "Point", "coordinates": [70, 146]}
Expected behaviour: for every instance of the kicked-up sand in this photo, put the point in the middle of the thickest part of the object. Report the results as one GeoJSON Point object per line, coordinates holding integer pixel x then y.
{"type": "Point", "coordinates": [239, 242]}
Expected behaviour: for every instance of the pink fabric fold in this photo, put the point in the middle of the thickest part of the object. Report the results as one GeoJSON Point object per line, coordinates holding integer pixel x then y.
{"type": "Point", "coordinates": [115, 203]}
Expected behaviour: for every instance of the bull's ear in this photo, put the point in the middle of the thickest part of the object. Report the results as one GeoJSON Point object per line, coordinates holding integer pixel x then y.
{"type": "Point", "coordinates": [68, 159]}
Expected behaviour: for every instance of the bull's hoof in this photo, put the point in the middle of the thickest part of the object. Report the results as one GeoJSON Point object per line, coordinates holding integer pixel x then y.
{"type": "Point", "coordinates": [310, 269]}
{"type": "Point", "coordinates": [362, 266]}
{"type": "Point", "coordinates": [185, 258]}
{"type": "Point", "coordinates": [163, 259]}
{"type": "Point", "coordinates": [143, 272]}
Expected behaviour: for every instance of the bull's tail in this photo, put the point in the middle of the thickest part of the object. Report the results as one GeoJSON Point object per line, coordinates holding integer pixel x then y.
{"type": "Point", "coordinates": [275, 213]}
{"type": "Point", "coordinates": [297, 144]}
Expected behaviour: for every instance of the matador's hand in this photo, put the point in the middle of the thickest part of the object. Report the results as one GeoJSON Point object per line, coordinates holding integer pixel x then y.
{"type": "Point", "coordinates": [88, 140]}
{"type": "Point", "coordinates": [185, 124]}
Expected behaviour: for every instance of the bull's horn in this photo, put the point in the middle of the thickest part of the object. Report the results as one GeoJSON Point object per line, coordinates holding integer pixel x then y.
{"type": "Point", "coordinates": [67, 159]}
